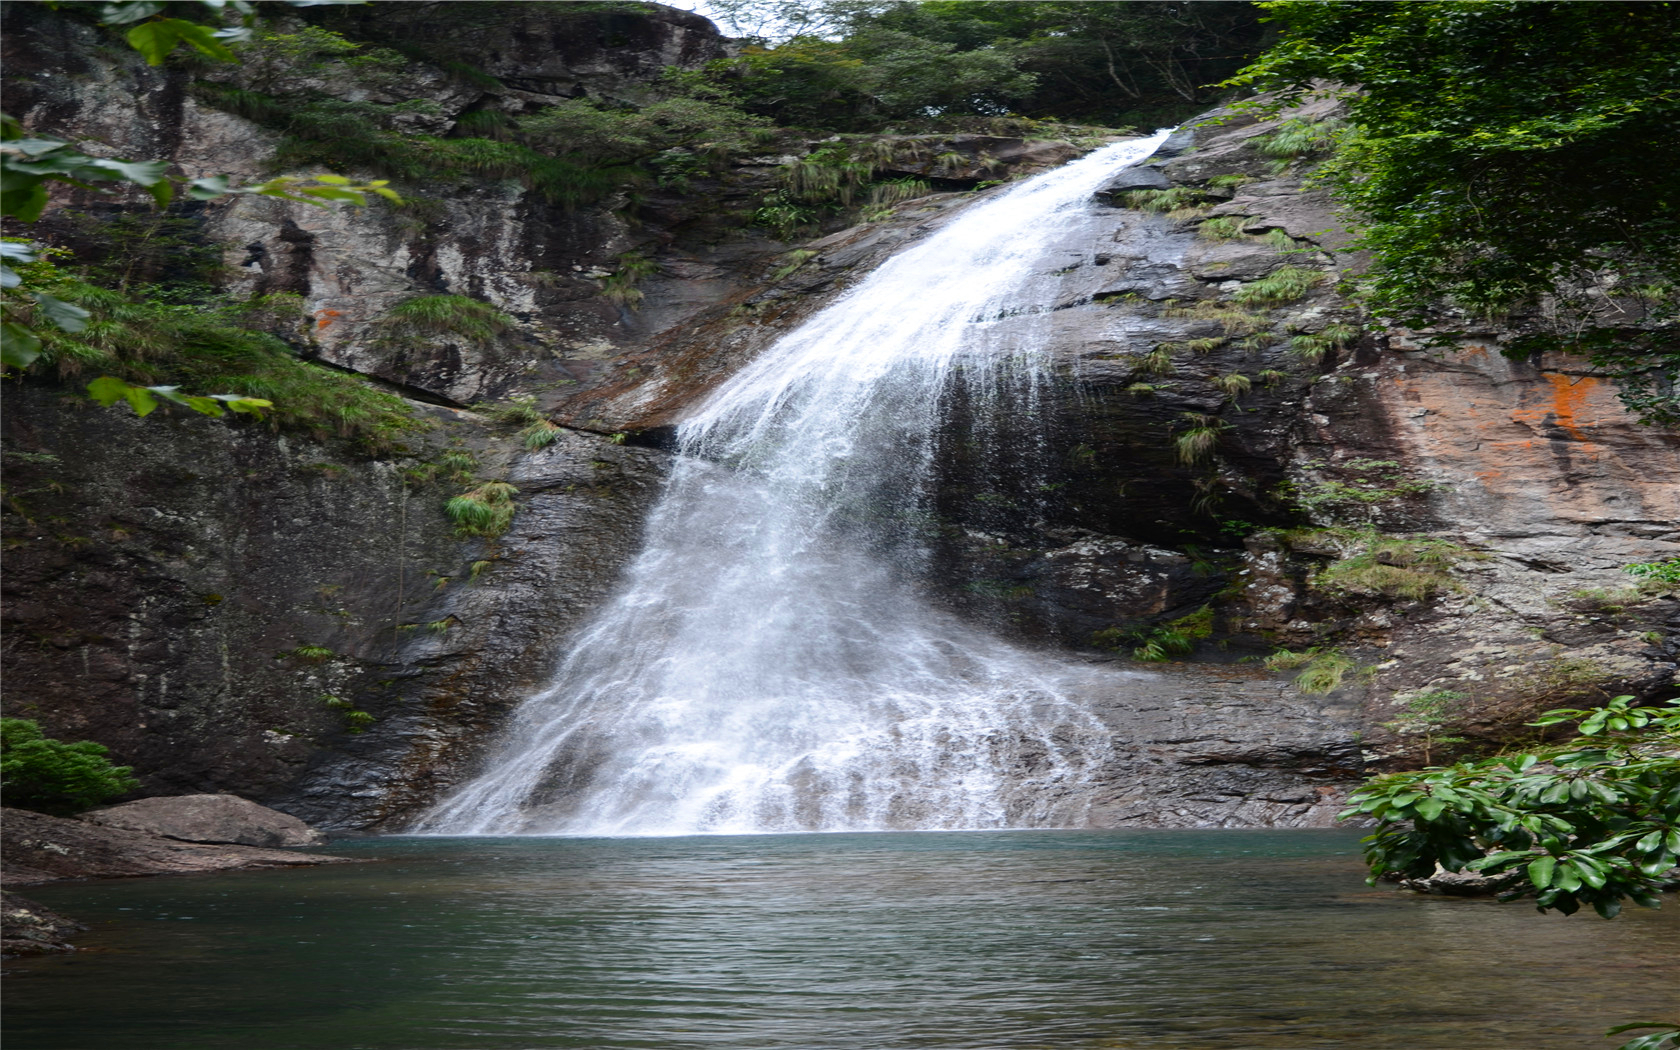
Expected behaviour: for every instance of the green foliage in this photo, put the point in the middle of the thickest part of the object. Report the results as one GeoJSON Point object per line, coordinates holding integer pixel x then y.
{"type": "Point", "coordinates": [1296, 140]}
{"type": "Point", "coordinates": [1221, 228]}
{"type": "Point", "coordinates": [108, 390]}
{"type": "Point", "coordinates": [1234, 320]}
{"type": "Point", "coordinates": [149, 351]}
{"type": "Point", "coordinates": [38, 772]}
{"type": "Point", "coordinates": [1426, 715]}
{"type": "Point", "coordinates": [28, 165]}
{"type": "Point", "coordinates": [1666, 572]}
{"type": "Point", "coordinates": [1200, 436]}
{"type": "Point", "coordinates": [1594, 822]}
{"type": "Point", "coordinates": [844, 66]}
{"type": "Point", "coordinates": [1311, 347]}
{"type": "Point", "coordinates": [458, 315]}
{"type": "Point", "coordinates": [1371, 564]}
{"type": "Point", "coordinates": [1393, 567]}
{"type": "Point", "coordinates": [694, 118]}
{"type": "Point", "coordinates": [1284, 284]}
{"type": "Point", "coordinates": [620, 285]}
{"type": "Point", "coordinates": [1667, 1039]}
{"type": "Point", "coordinates": [1363, 484]}
{"type": "Point", "coordinates": [517, 412]}
{"type": "Point", "coordinates": [1179, 201]}
{"type": "Point", "coordinates": [1233, 385]}
{"type": "Point", "coordinates": [1322, 670]}
{"type": "Point", "coordinates": [355, 721]}
{"type": "Point", "coordinates": [873, 77]}
{"type": "Point", "coordinates": [796, 259]}
{"type": "Point", "coordinates": [457, 464]}
{"type": "Point", "coordinates": [572, 152]}
{"type": "Point", "coordinates": [540, 434]}
{"type": "Point", "coordinates": [1158, 362]}
{"type": "Point", "coordinates": [1510, 156]}
{"type": "Point", "coordinates": [486, 510]}
{"type": "Point", "coordinates": [309, 654]}
{"type": "Point", "coordinates": [163, 248]}
{"type": "Point", "coordinates": [1164, 641]}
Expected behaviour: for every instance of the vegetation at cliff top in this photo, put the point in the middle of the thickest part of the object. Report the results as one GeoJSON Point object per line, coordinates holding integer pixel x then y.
{"type": "Point", "coordinates": [38, 772]}
{"type": "Point", "coordinates": [841, 65]}
{"type": "Point", "coordinates": [1509, 158]}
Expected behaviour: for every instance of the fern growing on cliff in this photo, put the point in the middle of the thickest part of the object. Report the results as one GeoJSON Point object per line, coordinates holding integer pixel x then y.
{"type": "Point", "coordinates": [1284, 284]}
{"type": "Point", "coordinates": [483, 511]}
{"type": "Point", "coordinates": [471, 319]}
{"type": "Point", "coordinates": [1198, 440]}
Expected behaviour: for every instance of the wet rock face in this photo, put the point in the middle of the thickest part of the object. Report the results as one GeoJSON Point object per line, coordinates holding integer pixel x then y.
{"type": "Point", "coordinates": [1224, 748]}
{"type": "Point", "coordinates": [28, 928]}
{"type": "Point", "coordinates": [220, 606]}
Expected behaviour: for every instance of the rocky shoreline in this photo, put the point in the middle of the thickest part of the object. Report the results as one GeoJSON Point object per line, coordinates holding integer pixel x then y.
{"type": "Point", "coordinates": [181, 835]}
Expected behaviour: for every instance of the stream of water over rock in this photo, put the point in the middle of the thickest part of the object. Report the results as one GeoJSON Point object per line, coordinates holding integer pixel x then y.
{"type": "Point", "coordinates": [768, 663]}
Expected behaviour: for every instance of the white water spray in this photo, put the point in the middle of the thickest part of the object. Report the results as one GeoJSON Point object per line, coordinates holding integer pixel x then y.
{"type": "Point", "coordinates": [766, 664]}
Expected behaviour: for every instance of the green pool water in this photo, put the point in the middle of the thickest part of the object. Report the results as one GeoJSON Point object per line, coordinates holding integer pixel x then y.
{"type": "Point", "coordinates": [1177, 940]}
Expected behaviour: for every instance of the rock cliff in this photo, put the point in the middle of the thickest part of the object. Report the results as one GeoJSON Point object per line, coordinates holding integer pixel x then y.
{"type": "Point", "coordinates": [1439, 534]}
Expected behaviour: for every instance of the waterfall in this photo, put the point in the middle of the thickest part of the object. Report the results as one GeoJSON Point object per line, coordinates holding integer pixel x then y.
{"type": "Point", "coordinates": [768, 663]}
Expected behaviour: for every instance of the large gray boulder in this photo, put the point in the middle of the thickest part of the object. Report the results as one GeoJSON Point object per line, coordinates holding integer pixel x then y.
{"type": "Point", "coordinates": [209, 818]}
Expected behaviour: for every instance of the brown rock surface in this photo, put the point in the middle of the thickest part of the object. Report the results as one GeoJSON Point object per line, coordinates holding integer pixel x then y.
{"type": "Point", "coordinates": [39, 848]}
{"type": "Point", "coordinates": [218, 819]}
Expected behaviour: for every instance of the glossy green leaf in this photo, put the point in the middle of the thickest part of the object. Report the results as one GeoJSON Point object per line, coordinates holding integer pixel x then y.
{"type": "Point", "coordinates": [24, 201]}
{"type": "Point", "coordinates": [140, 172]}
{"type": "Point", "coordinates": [1540, 871]}
{"type": "Point", "coordinates": [67, 316]}
{"type": "Point", "coordinates": [208, 188]}
{"type": "Point", "coordinates": [201, 39]}
{"type": "Point", "coordinates": [122, 14]}
{"type": "Point", "coordinates": [154, 40]}
{"type": "Point", "coordinates": [19, 347]}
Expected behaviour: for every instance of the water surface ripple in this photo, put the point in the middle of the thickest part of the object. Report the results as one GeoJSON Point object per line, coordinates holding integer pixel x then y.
{"type": "Point", "coordinates": [1170, 940]}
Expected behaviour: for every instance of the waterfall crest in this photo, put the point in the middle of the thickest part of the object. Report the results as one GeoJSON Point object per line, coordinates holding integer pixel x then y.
{"type": "Point", "coordinates": [768, 664]}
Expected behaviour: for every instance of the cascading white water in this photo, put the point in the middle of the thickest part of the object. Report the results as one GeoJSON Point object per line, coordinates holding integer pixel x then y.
{"type": "Point", "coordinates": [767, 665]}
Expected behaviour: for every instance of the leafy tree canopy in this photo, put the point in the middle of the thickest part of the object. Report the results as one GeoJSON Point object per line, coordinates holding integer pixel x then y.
{"type": "Point", "coordinates": [38, 772]}
{"type": "Point", "coordinates": [1510, 156]}
{"type": "Point", "coordinates": [856, 65]}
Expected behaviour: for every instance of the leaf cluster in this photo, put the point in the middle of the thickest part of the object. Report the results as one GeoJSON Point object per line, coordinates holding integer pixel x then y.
{"type": "Point", "coordinates": [1591, 823]}
{"type": "Point", "coordinates": [1508, 156]}
{"type": "Point", "coordinates": [38, 772]}
{"type": "Point", "coordinates": [843, 65]}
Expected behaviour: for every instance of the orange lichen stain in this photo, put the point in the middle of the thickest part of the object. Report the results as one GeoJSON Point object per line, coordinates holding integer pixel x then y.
{"type": "Point", "coordinates": [1474, 350]}
{"type": "Point", "coordinates": [326, 317]}
{"type": "Point", "coordinates": [1563, 409]}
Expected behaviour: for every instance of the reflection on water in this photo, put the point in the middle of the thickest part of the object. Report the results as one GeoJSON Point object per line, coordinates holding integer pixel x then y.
{"type": "Point", "coordinates": [1165, 940]}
